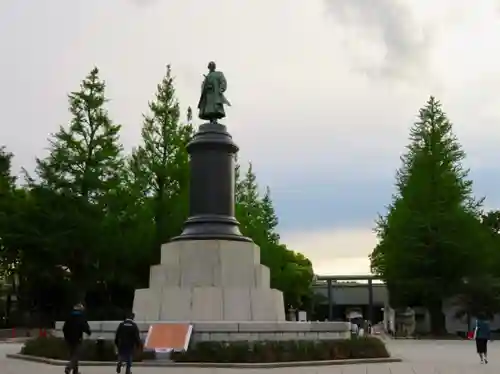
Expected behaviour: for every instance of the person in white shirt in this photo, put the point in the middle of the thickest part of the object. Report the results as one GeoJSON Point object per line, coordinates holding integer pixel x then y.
{"type": "Point", "coordinates": [354, 328]}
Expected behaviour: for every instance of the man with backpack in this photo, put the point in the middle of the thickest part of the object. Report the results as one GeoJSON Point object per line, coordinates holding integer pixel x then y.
{"type": "Point", "coordinates": [73, 330]}
{"type": "Point", "coordinates": [127, 340]}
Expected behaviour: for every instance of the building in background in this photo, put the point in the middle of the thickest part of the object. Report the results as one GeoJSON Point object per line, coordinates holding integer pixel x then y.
{"type": "Point", "coordinates": [367, 298]}
{"type": "Point", "coordinates": [349, 299]}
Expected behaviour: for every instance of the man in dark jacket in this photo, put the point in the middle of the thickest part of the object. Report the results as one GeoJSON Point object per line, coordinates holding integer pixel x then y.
{"type": "Point", "coordinates": [73, 330]}
{"type": "Point", "coordinates": [127, 340]}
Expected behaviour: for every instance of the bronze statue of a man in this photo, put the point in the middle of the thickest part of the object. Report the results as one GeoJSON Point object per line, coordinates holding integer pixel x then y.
{"type": "Point", "coordinates": [212, 100]}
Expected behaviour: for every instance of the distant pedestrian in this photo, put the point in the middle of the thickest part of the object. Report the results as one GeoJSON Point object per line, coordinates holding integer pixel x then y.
{"type": "Point", "coordinates": [73, 330]}
{"type": "Point", "coordinates": [127, 340]}
{"type": "Point", "coordinates": [482, 333]}
{"type": "Point", "coordinates": [354, 329]}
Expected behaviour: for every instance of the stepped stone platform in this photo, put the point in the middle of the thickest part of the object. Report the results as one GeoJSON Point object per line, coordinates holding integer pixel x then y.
{"type": "Point", "coordinates": [222, 289]}
{"type": "Point", "coordinates": [237, 331]}
{"type": "Point", "coordinates": [209, 280]}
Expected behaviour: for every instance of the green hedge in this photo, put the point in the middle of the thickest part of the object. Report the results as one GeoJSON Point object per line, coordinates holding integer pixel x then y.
{"type": "Point", "coordinates": [283, 351]}
{"type": "Point", "coordinates": [55, 348]}
{"type": "Point", "coordinates": [228, 352]}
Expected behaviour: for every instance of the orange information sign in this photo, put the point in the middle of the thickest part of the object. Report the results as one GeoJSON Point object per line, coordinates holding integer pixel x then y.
{"type": "Point", "coordinates": [166, 337]}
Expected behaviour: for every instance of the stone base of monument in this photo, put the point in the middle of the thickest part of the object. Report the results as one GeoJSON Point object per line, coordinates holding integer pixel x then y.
{"type": "Point", "coordinates": [220, 287]}
{"type": "Point", "coordinates": [209, 280]}
{"type": "Point", "coordinates": [237, 331]}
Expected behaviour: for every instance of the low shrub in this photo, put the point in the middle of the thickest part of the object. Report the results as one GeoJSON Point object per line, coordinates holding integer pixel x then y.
{"type": "Point", "coordinates": [282, 351]}
{"type": "Point", "coordinates": [225, 352]}
{"type": "Point", "coordinates": [55, 348]}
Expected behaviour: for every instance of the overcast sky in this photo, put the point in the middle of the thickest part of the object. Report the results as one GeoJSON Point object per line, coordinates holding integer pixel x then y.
{"type": "Point", "coordinates": [323, 91]}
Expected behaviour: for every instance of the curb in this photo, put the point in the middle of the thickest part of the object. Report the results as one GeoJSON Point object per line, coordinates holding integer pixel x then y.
{"type": "Point", "coordinates": [268, 365]}
{"type": "Point", "coordinates": [14, 341]}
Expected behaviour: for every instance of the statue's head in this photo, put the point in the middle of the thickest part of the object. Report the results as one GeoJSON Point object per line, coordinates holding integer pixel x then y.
{"type": "Point", "coordinates": [211, 66]}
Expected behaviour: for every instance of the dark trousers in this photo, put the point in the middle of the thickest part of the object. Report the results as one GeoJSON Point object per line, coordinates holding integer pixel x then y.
{"type": "Point", "coordinates": [74, 356]}
{"type": "Point", "coordinates": [125, 357]}
{"type": "Point", "coordinates": [482, 346]}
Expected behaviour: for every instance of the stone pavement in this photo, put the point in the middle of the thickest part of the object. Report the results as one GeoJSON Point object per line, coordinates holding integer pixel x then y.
{"type": "Point", "coordinates": [420, 357]}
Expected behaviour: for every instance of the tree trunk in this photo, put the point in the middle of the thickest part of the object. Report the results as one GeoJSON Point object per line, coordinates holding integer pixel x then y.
{"type": "Point", "coordinates": [438, 321]}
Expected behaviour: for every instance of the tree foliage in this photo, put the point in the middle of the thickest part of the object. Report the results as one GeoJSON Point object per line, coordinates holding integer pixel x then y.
{"type": "Point", "coordinates": [480, 293]}
{"type": "Point", "coordinates": [85, 157]}
{"type": "Point", "coordinates": [7, 208]}
{"type": "Point", "coordinates": [431, 238]}
{"type": "Point", "coordinates": [291, 272]}
{"type": "Point", "coordinates": [160, 164]}
{"type": "Point", "coordinates": [84, 169]}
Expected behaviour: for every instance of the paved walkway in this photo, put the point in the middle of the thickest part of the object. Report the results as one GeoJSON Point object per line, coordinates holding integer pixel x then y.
{"type": "Point", "coordinates": [420, 357]}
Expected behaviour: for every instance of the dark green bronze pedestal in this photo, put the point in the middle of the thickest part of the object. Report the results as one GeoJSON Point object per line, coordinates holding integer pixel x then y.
{"type": "Point", "coordinates": [211, 197]}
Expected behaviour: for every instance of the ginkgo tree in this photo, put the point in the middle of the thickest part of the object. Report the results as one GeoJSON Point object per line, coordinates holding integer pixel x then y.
{"type": "Point", "coordinates": [431, 239]}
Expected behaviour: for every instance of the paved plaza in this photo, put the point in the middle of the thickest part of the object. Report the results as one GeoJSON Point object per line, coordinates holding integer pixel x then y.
{"type": "Point", "coordinates": [420, 357]}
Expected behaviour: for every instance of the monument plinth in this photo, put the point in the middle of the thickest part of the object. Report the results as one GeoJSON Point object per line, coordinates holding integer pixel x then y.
{"type": "Point", "coordinates": [211, 211]}
{"type": "Point", "coordinates": [210, 272]}
{"type": "Point", "coordinates": [209, 280]}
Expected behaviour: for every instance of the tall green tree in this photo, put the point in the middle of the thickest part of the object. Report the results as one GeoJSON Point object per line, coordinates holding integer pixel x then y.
{"type": "Point", "coordinates": [431, 240]}
{"type": "Point", "coordinates": [248, 205]}
{"type": "Point", "coordinates": [291, 272]}
{"type": "Point", "coordinates": [85, 168]}
{"type": "Point", "coordinates": [85, 158]}
{"type": "Point", "coordinates": [160, 165]}
{"type": "Point", "coordinates": [269, 218]}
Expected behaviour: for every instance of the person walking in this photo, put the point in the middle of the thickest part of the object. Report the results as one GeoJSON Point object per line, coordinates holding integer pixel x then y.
{"type": "Point", "coordinates": [73, 329]}
{"type": "Point", "coordinates": [354, 328]}
{"type": "Point", "coordinates": [482, 333]}
{"type": "Point", "coordinates": [127, 340]}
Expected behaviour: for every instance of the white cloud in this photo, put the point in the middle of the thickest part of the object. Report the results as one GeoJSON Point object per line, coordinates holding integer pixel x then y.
{"type": "Point", "coordinates": [404, 48]}
{"type": "Point", "coordinates": [340, 251]}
